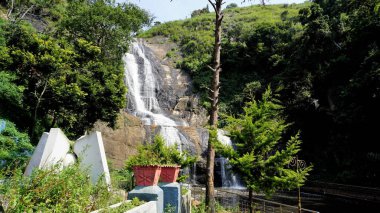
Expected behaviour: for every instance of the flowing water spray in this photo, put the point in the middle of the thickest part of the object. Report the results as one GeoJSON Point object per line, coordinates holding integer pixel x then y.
{"type": "Point", "coordinates": [142, 93]}
{"type": "Point", "coordinates": [229, 179]}
{"type": "Point", "coordinates": [143, 89]}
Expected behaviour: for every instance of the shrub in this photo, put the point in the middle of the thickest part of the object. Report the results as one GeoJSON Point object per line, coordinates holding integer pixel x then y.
{"type": "Point", "coordinates": [122, 179]}
{"type": "Point", "coordinates": [69, 190]}
{"type": "Point", "coordinates": [15, 146]}
{"type": "Point", "coordinates": [159, 154]}
{"type": "Point", "coordinates": [124, 207]}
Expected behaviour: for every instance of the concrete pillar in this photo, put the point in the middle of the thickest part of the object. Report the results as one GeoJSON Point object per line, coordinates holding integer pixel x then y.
{"type": "Point", "coordinates": [172, 196]}
{"type": "Point", "coordinates": [149, 193]}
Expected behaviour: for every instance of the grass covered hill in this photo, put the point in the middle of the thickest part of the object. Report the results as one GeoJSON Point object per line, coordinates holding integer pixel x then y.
{"type": "Point", "coordinates": [195, 37]}
{"type": "Point", "coordinates": [245, 18]}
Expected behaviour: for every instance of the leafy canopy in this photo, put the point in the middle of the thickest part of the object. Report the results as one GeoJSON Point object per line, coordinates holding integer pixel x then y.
{"type": "Point", "coordinates": [15, 146]}
{"type": "Point", "coordinates": [262, 156]}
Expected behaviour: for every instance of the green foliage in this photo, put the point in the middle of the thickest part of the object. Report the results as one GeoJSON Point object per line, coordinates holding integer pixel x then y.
{"type": "Point", "coordinates": [144, 157]}
{"type": "Point", "coordinates": [15, 147]}
{"type": "Point", "coordinates": [51, 10]}
{"type": "Point", "coordinates": [335, 62]}
{"type": "Point", "coordinates": [262, 156]}
{"type": "Point", "coordinates": [201, 208]}
{"type": "Point", "coordinates": [232, 5]}
{"type": "Point", "coordinates": [104, 23]}
{"type": "Point", "coordinates": [324, 56]}
{"type": "Point", "coordinates": [200, 12]}
{"type": "Point", "coordinates": [11, 95]}
{"type": "Point", "coordinates": [124, 207]}
{"type": "Point", "coordinates": [69, 190]}
{"type": "Point", "coordinates": [195, 38]}
{"type": "Point", "coordinates": [158, 153]}
{"type": "Point", "coordinates": [72, 76]}
{"type": "Point", "coordinates": [169, 208]}
{"type": "Point", "coordinates": [122, 179]}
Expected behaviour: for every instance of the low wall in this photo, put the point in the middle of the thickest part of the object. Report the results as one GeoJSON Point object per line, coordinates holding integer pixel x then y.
{"type": "Point", "coordinates": [149, 207]}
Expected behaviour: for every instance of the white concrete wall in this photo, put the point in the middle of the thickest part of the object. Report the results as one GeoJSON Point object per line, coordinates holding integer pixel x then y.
{"type": "Point", "coordinates": [51, 149]}
{"type": "Point", "coordinates": [90, 150]}
{"type": "Point", "coordinates": [149, 207]}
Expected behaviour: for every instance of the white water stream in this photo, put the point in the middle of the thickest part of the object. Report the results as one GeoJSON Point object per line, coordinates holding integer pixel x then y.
{"type": "Point", "coordinates": [142, 91]}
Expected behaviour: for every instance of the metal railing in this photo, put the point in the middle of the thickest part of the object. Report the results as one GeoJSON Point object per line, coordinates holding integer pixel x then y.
{"type": "Point", "coordinates": [235, 202]}
{"type": "Point", "coordinates": [342, 190]}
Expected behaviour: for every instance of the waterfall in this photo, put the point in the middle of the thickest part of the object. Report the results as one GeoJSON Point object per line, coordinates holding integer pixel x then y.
{"type": "Point", "coordinates": [143, 88]}
{"type": "Point", "coordinates": [142, 96]}
{"type": "Point", "coordinates": [229, 179]}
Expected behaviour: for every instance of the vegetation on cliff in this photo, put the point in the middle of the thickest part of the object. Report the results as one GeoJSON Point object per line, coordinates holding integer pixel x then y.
{"type": "Point", "coordinates": [69, 72]}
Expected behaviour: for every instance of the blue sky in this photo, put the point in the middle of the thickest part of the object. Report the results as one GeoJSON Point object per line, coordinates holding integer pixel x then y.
{"type": "Point", "coordinates": [164, 10]}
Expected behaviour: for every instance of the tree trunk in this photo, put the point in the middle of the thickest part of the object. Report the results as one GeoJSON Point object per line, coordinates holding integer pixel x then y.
{"type": "Point", "coordinates": [210, 197]}
{"type": "Point", "coordinates": [34, 118]}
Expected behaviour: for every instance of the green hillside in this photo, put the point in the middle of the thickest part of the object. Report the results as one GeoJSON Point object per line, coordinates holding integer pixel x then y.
{"type": "Point", "coordinates": [245, 18]}
{"type": "Point", "coordinates": [322, 59]}
{"type": "Point", "coordinates": [195, 38]}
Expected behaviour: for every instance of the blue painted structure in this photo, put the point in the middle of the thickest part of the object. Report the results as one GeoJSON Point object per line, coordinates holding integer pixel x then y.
{"type": "Point", "coordinates": [149, 193]}
{"type": "Point", "coordinates": [172, 195]}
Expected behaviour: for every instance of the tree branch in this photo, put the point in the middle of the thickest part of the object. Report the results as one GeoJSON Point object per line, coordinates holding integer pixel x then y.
{"type": "Point", "coordinates": [213, 5]}
{"type": "Point", "coordinates": [212, 69]}
{"type": "Point", "coordinates": [11, 9]}
{"type": "Point", "coordinates": [27, 11]}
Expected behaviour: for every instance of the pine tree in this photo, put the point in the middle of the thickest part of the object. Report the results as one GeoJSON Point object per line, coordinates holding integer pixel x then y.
{"type": "Point", "coordinates": [261, 154]}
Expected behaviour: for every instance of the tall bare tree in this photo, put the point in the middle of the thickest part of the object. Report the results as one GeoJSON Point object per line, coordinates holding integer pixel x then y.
{"type": "Point", "coordinates": [214, 96]}
{"type": "Point", "coordinates": [216, 69]}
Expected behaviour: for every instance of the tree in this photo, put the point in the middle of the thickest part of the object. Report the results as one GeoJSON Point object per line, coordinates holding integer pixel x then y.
{"type": "Point", "coordinates": [214, 97]}
{"type": "Point", "coordinates": [108, 25]}
{"type": "Point", "coordinates": [262, 156]}
{"type": "Point", "coordinates": [232, 5]}
{"type": "Point", "coordinates": [200, 12]}
{"type": "Point", "coordinates": [15, 146]}
{"type": "Point", "coordinates": [73, 76]}
{"type": "Point", "coordinates": [20, 9]}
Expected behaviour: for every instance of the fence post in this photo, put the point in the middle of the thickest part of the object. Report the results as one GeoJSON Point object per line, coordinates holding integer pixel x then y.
{"type": "Point", "coordinates": [264, 206]}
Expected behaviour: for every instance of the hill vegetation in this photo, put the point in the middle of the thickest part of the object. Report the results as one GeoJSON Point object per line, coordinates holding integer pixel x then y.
{"type": "Point", "coordinates": [195, 36]}
{"type": "Point", "coordinates": [60, 67]}
{"type": "Point", "coordinates": [323, 60]}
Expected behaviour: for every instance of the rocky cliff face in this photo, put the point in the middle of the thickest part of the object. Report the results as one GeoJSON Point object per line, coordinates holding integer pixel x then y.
{"type": "Point", "coordinates": [174, 95]}
{"type": "Point", "coordinates": [122, 142]}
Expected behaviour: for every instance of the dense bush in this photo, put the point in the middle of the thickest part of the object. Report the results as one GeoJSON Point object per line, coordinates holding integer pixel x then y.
{"type": "Point", "coordinates": [69, 190]}
{"type": "Point", "coordinates": [158, 153]}
{"type": "Point", "coordinates": [15, 146]}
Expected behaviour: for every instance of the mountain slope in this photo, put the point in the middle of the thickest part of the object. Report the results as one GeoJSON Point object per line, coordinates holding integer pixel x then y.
{"type": "Point", "coordinates": [195, 40]}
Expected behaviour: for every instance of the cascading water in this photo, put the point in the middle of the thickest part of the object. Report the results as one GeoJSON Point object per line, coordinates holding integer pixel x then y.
{"type": "Point", "coordinates": [143, 89]}
{"type": "Point", "coordinates": [142, 94]}
{"type": "Point", "coordinates": [229, 179]}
